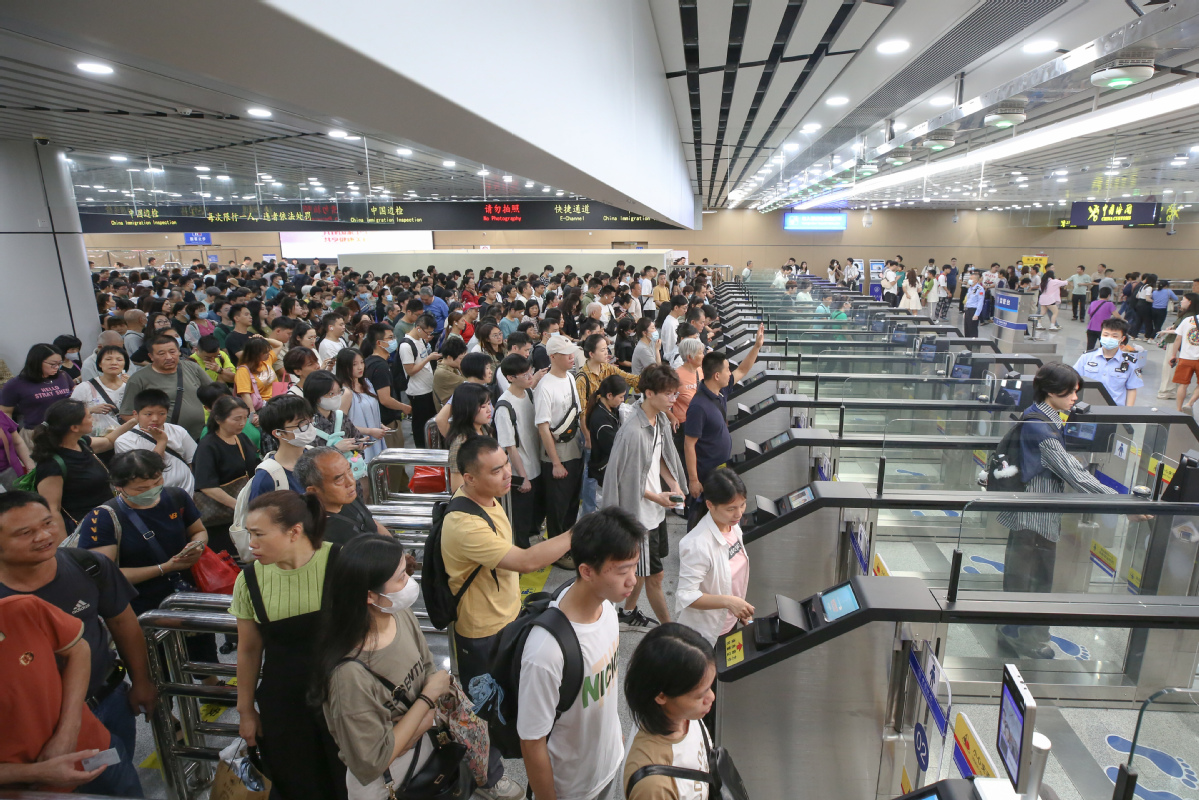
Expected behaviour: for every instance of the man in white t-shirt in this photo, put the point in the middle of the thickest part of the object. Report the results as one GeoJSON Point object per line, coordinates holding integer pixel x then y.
{"type": "Point", "coordinates": [516, 430]}
{"type": "Point", "coordinates": [889, 280]}
{"type": "Point", "coordinates": [670, 328]}
{"type": "Point", "coordinates": [153, 432]}
{"type": "Point", "coordinates": [647, 281]}
{"type": "Point", "coordinates": [416, 357]}
{"type": "Point", "coordinates": [557, 412]}
{"type": "Point", "coordinates": [583, 756]}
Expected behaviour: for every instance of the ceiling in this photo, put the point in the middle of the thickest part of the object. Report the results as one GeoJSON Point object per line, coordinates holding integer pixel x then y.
{"type": "Point", "coordinates": [164, 129]}
{"type": "Point", "coordinates": [766, 88]}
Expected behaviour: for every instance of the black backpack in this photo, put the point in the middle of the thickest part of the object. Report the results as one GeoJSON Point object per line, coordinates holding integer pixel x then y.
{"type": "Point", "coordinates": [399, 376]}
{"type": "Point", "coordinates": [496, 694]}
{"type": "Point", "coordinates": [1002, 472]}
{"type": "Point", "coordinates": [440, 602]}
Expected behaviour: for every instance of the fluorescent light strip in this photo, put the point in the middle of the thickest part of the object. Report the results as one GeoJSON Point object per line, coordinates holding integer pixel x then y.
{"type": "Point", "coordinates": [1163, 101]}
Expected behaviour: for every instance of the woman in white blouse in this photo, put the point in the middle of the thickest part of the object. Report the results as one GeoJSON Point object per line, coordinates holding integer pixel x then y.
{"type": "Point", "coordinates": [104, 393]}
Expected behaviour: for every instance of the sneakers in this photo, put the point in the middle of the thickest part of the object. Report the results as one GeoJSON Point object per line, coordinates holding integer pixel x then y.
{"type": "Point", "coordinates": [1055, 327]}
{"type": "Point", "coordinates": [566, 562]}
{"type": "Point", "coordinates": [504, 789]}
{"type": "Point", "coordinates": [635, 621]}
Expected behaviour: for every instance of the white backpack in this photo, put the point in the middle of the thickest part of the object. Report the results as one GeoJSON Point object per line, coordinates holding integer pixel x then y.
{"type": "Point", "coordinates": [237, 529]}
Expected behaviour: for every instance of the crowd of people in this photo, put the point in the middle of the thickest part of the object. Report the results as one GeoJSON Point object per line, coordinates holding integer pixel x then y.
{"type": "Point", "coordinates": [235, 409]}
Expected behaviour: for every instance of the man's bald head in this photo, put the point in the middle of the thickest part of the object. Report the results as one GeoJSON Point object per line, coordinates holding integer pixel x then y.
{"type": "Point", "coordinates": [107, 339]}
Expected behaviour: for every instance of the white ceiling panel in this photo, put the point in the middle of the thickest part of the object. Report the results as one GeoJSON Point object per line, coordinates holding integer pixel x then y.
{"type": "Point", "coordinates": [714, 17]}
{"type": "Point", "coordinates": [813, 23]}
{"type": "Point", "coordinates": [764, 19]}
{"type": "Point", "coordinates": [863, 22]}
{"type": "Point", "coordinates": [670, 36]}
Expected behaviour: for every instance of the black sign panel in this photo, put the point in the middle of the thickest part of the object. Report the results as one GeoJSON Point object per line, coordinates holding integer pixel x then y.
{"type": "Point", "coordinates": [363, 215]}
{"type": "Point", "coordinates": [1107, 212]}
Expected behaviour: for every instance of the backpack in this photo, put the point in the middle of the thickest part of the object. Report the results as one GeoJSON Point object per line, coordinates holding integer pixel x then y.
{"type": "Point", "coordinates": [1002, 472]}
{"type": "Point", "coordinates": [440, 602]}
{"type": "Point", "coordinates": [399, 376]}
{"type": "Point", "coordinates": [495, 695]}
{"type": "Point", "coordinates": [237, 529]}
{"type": "Point", "coordinates": [512, 417]}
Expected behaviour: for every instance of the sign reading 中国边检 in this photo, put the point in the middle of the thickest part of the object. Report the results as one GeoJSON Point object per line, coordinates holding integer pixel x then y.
{"type": "Point", "coordinates": [1096, 212]}
{"type": "Point", "coordinates": [377, 214]}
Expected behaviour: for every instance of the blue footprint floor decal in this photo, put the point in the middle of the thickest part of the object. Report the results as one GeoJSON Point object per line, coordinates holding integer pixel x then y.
{"type": "Point", "coordinates": [1071, 649]}
{"type": "Point", "coordinates": [1141, 791]}
{"type": "Point", "coordinates": [996, 565]}
{"type": "Point", "coordinates": [1171, 765]}
{"type": "Point", "coordinates": [910, 472]}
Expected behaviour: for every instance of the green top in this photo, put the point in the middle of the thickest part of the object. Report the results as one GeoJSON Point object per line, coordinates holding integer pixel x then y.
{"type": "Point", "coordinates": [285, 592]}
{"type": "Point", "coordinates": [1080, 282]}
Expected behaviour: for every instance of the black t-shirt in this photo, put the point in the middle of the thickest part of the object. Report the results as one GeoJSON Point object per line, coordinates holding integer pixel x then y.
{"type": "Point", "coordinates": [235, 342]}
{"type": "Point", "coordinates": [349, 523]}
{"type": "Point", "coordinates": [79, 594]}
{"type": "Point", "coordinates": [168, 521]}
{"type": "Point", "coordinates": [217, 462]}
{"type": "Point", "coordinates": [85, 484]}
{"type": "Point", "coordinates": [624, 349]}
{"type": "Point", "coordinates": [378, 372]}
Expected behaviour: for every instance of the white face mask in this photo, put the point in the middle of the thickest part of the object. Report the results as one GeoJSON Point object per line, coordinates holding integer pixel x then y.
{"type": "Point", "coordinates": [331, 403]}
{"type": "Point", "coordinates": [402, 599]}
{"type": "Point", "coordinates": [302, 438]}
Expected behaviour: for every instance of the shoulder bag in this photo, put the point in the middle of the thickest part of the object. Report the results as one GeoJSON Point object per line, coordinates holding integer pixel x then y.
{"type": "Point", "coordinates": [214, 513]}
{"type": "Point", "coordinates": [724, 779]}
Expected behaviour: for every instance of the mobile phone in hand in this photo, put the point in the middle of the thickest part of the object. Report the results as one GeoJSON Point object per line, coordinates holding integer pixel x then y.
{"type": "Point", "coordinates": [105, 758]}
{"type": "Point", "coordinates": [191, 547]}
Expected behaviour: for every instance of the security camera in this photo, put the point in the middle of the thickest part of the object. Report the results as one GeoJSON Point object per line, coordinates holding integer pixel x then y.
{"type": "Point", "coordinates": [955, 218]}
{"type": "Point", "coordinates": [41, 139]}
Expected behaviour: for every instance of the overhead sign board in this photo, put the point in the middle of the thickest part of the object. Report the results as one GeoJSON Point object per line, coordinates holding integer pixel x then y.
{"type": "Point", "coordinates": [197, 238]}
{"type": "Point", "coordinates": [363, 215]}
{"type": "Point", "coordinates": [803, 221]}
{"type": "Point", "coordinates": [1106, 212]}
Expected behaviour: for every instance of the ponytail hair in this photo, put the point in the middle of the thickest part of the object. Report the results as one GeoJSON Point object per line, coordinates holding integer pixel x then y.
{"type": "Point", "coordinates": [288, 509]}
{"type": "Point", "coordinates": [613, 384]}
{"type": "Point", "coordinates": [60, 418]}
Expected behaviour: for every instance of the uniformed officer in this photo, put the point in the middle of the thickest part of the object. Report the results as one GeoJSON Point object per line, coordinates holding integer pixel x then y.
{"type": "Point", "coordinates": [1119, 370]}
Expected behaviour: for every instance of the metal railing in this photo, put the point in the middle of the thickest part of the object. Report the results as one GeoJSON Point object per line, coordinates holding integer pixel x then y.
{"type": "Point", "coordinates": [398, 459]}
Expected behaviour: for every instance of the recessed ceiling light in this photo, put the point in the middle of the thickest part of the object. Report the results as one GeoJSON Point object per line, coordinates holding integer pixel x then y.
{"type": "Point", "coordinates": [1091, 197]}
{"type": "Point", "coordinates": [1061, 172]}
{"type": "Point", "coordinates": [94, 68]}
{"type": "Point", "coordinates": [1126, 195]}
{"type": "Point", "coordinates": [154, 170]}
{"type": "Point", "coordinates": [1111, 172]}
{"type": "Point", "coordinates": [218, 177]}
{"type": "Point", "coordinates": [1167, 191]}
{"type": "Point", "coordinates": [899, 126]}
{"type": "Point", "coordinates": [507, 179]}
{"type": "Point", "coordinates": [258, 112]}
{"type": "Point", "coordinates": [201, 169]}
{"type": "Point", "coordinates": [1038, 46]}
{"type": "Point", "coordinates": [118, 158]}
{"type": "Point", "coordinates": [941, 101]}
{"type": "Point", "coordinates": [276, 183]}
{"type": "Point", "coordinates": [790, 147]}
{"type": "Point", "coordinates": [133, 169]}
{"type": "Point", "coordinates": [559, 193]}
{"type": "Point", "coordinates": [89, 199]}
{"type": "Point", "coordinates": [528, 184]}
{"type": "Point", "coordinates": [448, 163]}
{"type": "Point", "coordinates": [353, 138]}
{"type": "Point", "coordinates": [836, 100]}
{"type": "Point", "coordinates": [545, 188]}
{"type": "Point", "coordinates": [893, 46]}
{"type": "Point", "coordinates": [403, 151]}
{"type": "Point", "coordinates": [337, 134]}
{"type": "Point", "coordinates": [811, 127]}
{"type": "Point", "coordinates": [482, 173]}
{"type": "Point", "coordinates": [1063, 180]}
{"type": "Point", "coordinates": [203, 177]}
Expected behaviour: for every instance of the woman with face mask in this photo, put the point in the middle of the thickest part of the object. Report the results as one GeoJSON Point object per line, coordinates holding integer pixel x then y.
{"type": "Point", "coordinates": [277, 601]}
{"type": "Point", "coordinates": [375, 675]}
{"type": "Point", "coordinates": [649, 347]}
{"type": "Point", "coordinates": [325, 393]}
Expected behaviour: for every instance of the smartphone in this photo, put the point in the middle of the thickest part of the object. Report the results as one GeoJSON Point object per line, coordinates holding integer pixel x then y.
{"type": "Point", "coordinates": [677, 498]}
{"type": "Point", "coordinates": [105, 758]}
{"type": "Point", "coordinates": [191, 547]}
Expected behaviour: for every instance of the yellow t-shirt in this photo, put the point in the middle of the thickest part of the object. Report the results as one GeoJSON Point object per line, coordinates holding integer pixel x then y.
{"type": "Point", "coordinates": [285, 592]}
{"type": "Point", "coordinates": [265, 378]}
{"type": "Point", "coordinates": [661, 294]}
{"type": "Point", "coordinates": [467, 542]}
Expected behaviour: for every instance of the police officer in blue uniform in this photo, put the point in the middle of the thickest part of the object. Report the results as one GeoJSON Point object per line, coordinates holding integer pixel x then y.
{"type": "Point", "coordinates": [1118, 370]}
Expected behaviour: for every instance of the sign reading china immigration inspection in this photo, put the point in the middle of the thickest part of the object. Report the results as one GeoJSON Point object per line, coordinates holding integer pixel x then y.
{"type": "Point", "coordinates": [377, 214]}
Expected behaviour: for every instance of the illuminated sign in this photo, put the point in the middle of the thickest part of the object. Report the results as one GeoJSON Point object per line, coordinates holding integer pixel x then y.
{"type": "Point", "coordinates": [1109, 213]}
{"type": "Point", "coordinates": [800, 221]}
{"type": "Point", "coordinates": [197, 238]}
{"type": "Point", "coordinates": [375, 214]}
{"type": "Point", "coordinates": [1067, 224]}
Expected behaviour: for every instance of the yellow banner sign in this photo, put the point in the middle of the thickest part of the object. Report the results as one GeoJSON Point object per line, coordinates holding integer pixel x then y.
{"type": "Point", "coordinates": [972, 748]}
{"type": "Point", "coordinates": [879, 568]}
{"type": "Point", "coordinates": [1167, 470]}
{"type": "Point", "coordinates": [1035, 261]}
{"type": "Point", "coordinates": [734, 649]}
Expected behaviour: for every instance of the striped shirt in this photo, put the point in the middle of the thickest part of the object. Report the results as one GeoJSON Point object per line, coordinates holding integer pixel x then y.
{"type": "Point", "coordinates": [1057, 469]}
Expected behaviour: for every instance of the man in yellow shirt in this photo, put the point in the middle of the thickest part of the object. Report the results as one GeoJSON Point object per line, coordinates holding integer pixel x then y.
{"type": "Point", "coordinates": [472, 544]}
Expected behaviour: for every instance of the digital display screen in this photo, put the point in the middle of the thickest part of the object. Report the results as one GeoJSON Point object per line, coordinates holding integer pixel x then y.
{"type": "Point", "coordinates": [839, 602]}
{"type": "Point", "coordinates": [796, 499]}
{"type": "Point", "coordinates": [1013, 394]}
{"type": "Point", "coordinates": [960, 371]}
{"type": "Point", "coordinates": [801, 221]}
{"type": "Point", "coordinates": [760, 405]}
{"type": "Point", "coordinates": [1081, 430]}
{"type": "Point", "coordinates": [900, 337]}
{"type": "Point", "coordinates": [928, 352]}
{"type": "Point", "coordinates": [1010, 737]}
{"type": "Point", "coordinates": [775, 441]}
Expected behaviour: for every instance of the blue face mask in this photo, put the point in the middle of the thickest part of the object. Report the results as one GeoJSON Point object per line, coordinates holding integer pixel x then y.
{"type": "Point", "coordinates": [654, 336]}
{"type": "Point", "coordinates": [1109, 342]}
{"type": "Point", "coordinates": [146, 498]}
{"type": "Point", "coordinates": [392, 345]}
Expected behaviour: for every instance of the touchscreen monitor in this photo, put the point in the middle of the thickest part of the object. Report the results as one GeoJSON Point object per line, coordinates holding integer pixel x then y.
{"type": "Point", "coordinates": [960, 371]}
{"type": "Point", "coordinates": [1084, 431]}
{"type": "Point", "coordinates": [761, 404]}
{"type": "Point", "coordinates": [1017, 721]}
{"type": "Point", "coordinates": [775, 441]}
{"type": "Point", "coordinates": [839, 602]}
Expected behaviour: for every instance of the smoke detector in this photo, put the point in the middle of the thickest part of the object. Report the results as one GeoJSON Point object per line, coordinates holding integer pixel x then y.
{"type": "Point", "coordinates": [938, 140]}
{"type": "Point", "coordinates": [900, 155]}
{"type": "Point", "coordinates": [1122, 73]}
{"type": "Point", "coordinates": [1005, 116]}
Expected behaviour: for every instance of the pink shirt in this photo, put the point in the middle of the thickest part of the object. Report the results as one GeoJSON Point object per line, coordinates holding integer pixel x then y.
{"type": "Point", "coordinates": [739, 567]}
{"type": "Point", "coordinates": [1051, 291]}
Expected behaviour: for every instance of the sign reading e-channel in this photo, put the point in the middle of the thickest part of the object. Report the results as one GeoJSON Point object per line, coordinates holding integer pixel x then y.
{"type": "Point", "coordinates": [799, 221]}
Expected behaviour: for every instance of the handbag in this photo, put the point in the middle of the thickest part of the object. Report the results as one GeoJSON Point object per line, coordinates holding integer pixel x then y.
{"type": "Point", "coordinates": [214, 513]}
{"type": "Point", "coordinates": [724, 779]}
{"type": "Point", "coordinates": [428, 480]}
{"type": "Point", "coordinates": [256, 400]}
{"type": "Point", "coordinates": [442, 776]}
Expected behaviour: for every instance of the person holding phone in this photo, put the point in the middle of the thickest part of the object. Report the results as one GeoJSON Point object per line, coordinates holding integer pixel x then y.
{"type": "Point", "coordinates": [644, 457]}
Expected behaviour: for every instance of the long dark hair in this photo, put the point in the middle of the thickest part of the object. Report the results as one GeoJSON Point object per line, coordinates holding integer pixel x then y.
{"type": "Point", "coordinates": [317, 385]}
{"type": "Point", "coordinates": [299, 332]}
{"type": "Point", "coordinates": [343, 367]}
{"type": "Point", "coordinates": [464, 405]}
{"type": "Point", "coordinates": [613, 384]}
{"type": "Point", "coordinates": [254, 353]}
{"type": "Point", "coordinates": [363, 565]}
{"type": "Point", "coordinates": [482, 335]}
{"type": "Point", "coordinates": [671, 660]}
{"type": "Point", "coordinates": [60, 417]}
{"type": "Point", "coordinates": [32, 371]}
{"type": "Point", "coordinates": [1192, 306]}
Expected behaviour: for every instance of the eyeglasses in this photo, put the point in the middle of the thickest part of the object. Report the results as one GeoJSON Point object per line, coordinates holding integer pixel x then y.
{"type": "Point", "coordinates": [301, 428]}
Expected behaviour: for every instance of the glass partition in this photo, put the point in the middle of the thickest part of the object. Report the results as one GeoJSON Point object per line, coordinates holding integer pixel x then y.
{"type": "Point", "coordinates": [853, 359]}
{"type": "Point", "coordinates": [901, 387]}
{"type": "Point", "coordinates": [1164, 744]}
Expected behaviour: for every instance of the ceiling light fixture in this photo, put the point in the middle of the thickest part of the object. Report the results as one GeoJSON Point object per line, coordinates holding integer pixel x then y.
{"type": "Point", "coordinates": [482, 173]}
{"type": "Point", "coordinates": [449, 163]}
{"type": "Point", "coordinates": [337, 134]}
{"type": "Point", "coordinates": [790, 147]}
{"type": "Point", "coordinates": [201, 169]}
{"type": "Point", "coordinates": [403, 151]}
{"type": "Point", "coordinates": [545, 188]}
{"type": "Point", "coordinates": [528, 184]}
{"type": "Point", "coordinates": [94, 68]}
{"type": "Point", "coordinates": [118, 158]}
{"type": "Point", "coordinates": [893, 46]}
{"type": "Point", "coordinates": [941, 101]}
{"type": "Point", "coordinates": [1038, 46]}
{"type": "Point", "coordinates": [1123, 72]}
{"type": "Point", "coordinates": [836, 100]}
{"type": "Point", "coordinates": [261, 113]}
{"type": "Point", "coordinates": [218, 177]}
{"type": "Point", "coordinates": [507, 179]}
